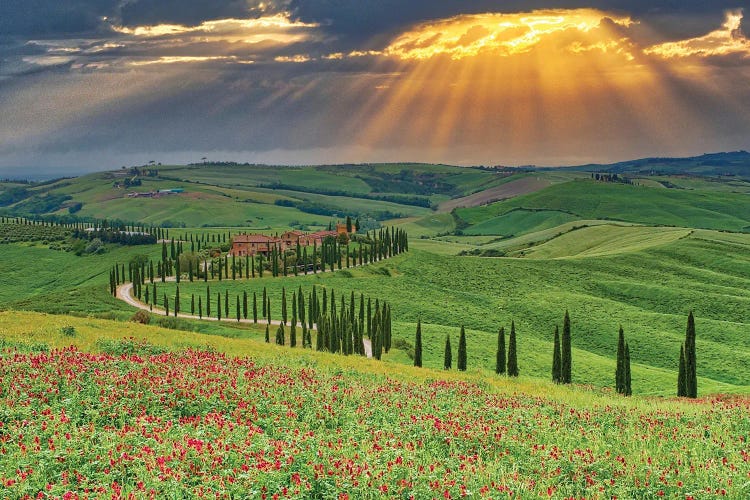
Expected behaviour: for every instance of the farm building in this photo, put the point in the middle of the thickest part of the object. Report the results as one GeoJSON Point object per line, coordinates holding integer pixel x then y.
{"type": "Point", "coordinates": [252, 244]}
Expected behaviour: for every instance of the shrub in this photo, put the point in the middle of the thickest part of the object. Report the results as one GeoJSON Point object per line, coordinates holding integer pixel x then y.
{"type": "Point", "coordinates": [68, 331]}
{"type": "Point", "coordinates": [141, 317]}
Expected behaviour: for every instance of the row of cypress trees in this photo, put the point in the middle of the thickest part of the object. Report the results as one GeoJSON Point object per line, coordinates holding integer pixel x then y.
{"type": "Point", "coordinates": [505, 362]}
{"type": "Point", "coordinates": [687, 383]}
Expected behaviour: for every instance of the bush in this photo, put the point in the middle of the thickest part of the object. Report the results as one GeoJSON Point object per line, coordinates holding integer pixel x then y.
{"type": "Point", "coordinates": [68, 331]}
{"type": "Point", "coordinates": [141, 317]}
{"type": "Point", "coordinates": [404, 346]}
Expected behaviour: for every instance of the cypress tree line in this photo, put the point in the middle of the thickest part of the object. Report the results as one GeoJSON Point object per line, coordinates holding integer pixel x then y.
{"type": "Point", "coordinates": [418, 345]}
{"type": "Point", "coordinates": [512, 352]}
{"type": "Point", "coordinates": [566, 354]}
{"type": "Point", "coordinates": [448, 355]}
{"type": "Point", "coordinates": [557, 358]}
{"type": "Point", "coordinates": [462, 350]}
{"type": "Point", "coordinates": [500, 363]}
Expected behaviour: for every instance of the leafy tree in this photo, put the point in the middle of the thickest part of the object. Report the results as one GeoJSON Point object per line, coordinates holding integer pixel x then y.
{"type": "Point", "coordinates": [448, 355]}
{"type": "Point", "coordinates": [462, 350]}
{"type": "Point", "coordinates": [500, 363]}
{"type": "Point", "coordinates": [512, 352]}
{"type": "Point", "coordinates": [557, 358]}
{"type": "Point", "coordinates": [566, 354]}
{"type": "Point", "coordinates": [418, 345]}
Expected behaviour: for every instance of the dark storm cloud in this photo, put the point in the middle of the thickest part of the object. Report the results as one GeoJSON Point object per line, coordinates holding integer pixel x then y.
{"type": "Point", "coordinates": [355, 18]}
{"type": "Point", "coordinates": [368, 18]}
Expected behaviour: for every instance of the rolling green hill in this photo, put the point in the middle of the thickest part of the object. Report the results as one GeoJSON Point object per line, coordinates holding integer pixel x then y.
{"type": "Point", "coordinates": [588, 199]}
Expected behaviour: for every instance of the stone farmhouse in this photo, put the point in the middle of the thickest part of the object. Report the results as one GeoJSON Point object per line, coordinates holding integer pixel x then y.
{"type": "Point", "coordinates": [253, 244]}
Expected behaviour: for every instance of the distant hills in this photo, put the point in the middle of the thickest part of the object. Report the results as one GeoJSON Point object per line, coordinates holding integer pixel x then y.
{"type": "Point", "coordinates": [734, 164]}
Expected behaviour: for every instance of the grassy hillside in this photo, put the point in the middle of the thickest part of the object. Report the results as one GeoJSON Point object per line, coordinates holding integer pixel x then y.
{"type": "Point", "coordinates": [130, 409]}
{"type": "Point", "coordinates": [587, 199]}
{"type": "Point", "coordinates": [252, 195]}
{"type": "Point", "coordinates": [646, 279]}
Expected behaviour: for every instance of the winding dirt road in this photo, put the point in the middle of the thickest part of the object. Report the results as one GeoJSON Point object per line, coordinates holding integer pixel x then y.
{"type": "Point", "coordinates": [125, 293]}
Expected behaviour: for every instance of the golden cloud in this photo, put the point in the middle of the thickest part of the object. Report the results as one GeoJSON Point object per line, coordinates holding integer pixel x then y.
{"type": "Point", "coordinates": [500, 34]}
{"type": "Point", "coordinates": [188, 59]}
{"type": "Point", "coordinates": [725, 41]}
{"type": "Point", "coordinates": [279, 27]}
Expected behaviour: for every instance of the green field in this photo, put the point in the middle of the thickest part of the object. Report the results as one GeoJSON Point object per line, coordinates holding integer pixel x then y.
{"type": "Point", "coordinates": [561, 250]}
{"type": "Point", "coordinates": [587, 199]}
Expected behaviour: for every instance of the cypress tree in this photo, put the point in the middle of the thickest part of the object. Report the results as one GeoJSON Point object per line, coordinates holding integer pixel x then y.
{"type": "Point", "coordinates": [418, 345]}
{"type": "Point", "coordinates": [238, 309]}
{"type": "Point", "coordinates": [244, 304]}
{"type": "Point", "coordinates": [166, 304]}
{"type": "Point", "coordinates": [462, 350]}
{"type": "Point", "coordinates": [557, 358]}
{"type": "Point", "coordinates": [681, 375]}
{"type": "Point", "coordinates": [255, 307]}
{"type": "Point", "coordinates": [177, 302]}
{"type": "Point", "coordinates": [691, 376]}
{"type": "Point", "coordinates": [192, 304]}
{"type": "Point", "coordinates": [280, 335]}
{"type": "Point", "coordinates": [293, 332]}
{"type": "Point", "coordinates": [226, 304]}
{"type": "Point", "coordinates": [566, 352]}
{"type": "Point", "coordinates": [200, 308]}
{"type": "Point", "coordinates": [512, 352]}
{"type": "Point", "coordinates": [218, 306]}
{"type": "Point", "coordinates": [620, 383]}
{"type": "Point", "coordinates": [628, 388]}
{"type": "Point", "coordinates": [448, 355]}
{"type": "Point", "coordinates": [500, 363]}
{"type": "Point", "coordinates": [283, 306]}
{"type": "Point", "coordinates": [208, 301]}
{"type": "Point", "coordinates": [265, 302]}
{"type": "Point", "coordinates": [268, 338]}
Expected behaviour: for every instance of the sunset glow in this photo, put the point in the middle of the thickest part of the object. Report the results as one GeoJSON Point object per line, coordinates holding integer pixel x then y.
{"type": "Point", "coordinates": [497, 34]}
{"type": "Point", "coordinates": [538, 85]}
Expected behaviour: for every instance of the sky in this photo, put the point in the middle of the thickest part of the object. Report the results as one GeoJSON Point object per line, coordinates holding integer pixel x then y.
{"type": "Point", "coordinates": [98, 84]}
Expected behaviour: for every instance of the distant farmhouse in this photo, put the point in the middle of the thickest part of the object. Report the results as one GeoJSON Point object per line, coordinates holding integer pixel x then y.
{"type": "Point", "coordinates": [157, 194]}
{"type": "Point", "coordinates": [252, 244]}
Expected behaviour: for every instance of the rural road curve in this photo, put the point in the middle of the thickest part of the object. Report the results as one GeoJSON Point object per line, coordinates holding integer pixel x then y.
{"type": "Point", "coordinates": [125, 293]}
